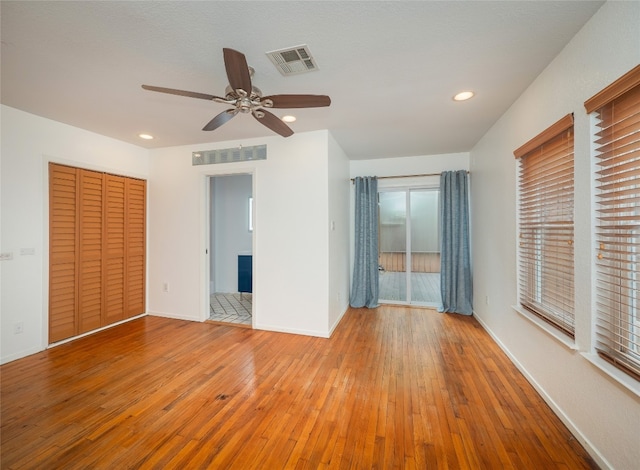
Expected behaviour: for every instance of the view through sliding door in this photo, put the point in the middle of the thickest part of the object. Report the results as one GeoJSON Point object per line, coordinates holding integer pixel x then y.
{"type": "Point", "coordinates": [409, 249]}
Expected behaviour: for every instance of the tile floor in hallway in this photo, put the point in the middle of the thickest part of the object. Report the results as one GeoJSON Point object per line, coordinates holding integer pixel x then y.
{"type": "Point", "coordinates": [231, 308]}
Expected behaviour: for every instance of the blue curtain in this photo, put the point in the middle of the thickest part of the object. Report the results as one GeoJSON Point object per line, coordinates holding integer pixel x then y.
{"type": "Point", "coordinates": [455, 259]}
{"type": "Point", "coordinates": [364, 289]}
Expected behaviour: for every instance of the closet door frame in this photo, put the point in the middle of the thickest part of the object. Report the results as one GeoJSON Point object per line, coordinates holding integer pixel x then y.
{"type": "Point", "coordinates": [139, 239]}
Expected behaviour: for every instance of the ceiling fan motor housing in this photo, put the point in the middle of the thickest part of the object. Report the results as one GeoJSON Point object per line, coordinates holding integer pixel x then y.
{"type": "Point", "coordinates": [247, 99]}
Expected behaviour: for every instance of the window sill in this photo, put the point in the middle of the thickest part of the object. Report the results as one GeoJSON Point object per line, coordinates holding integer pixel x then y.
{"type": "Point", "coordinates": [613, 372]}
{"type": "Point", "coordinates": [563, 339]}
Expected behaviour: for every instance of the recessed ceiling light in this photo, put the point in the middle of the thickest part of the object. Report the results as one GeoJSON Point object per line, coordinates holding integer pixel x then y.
{"type": "Point", "coordinates": [145, 136]}
{"type": "Point", "coordinates": [289, 118]}
{"type": "Point", "coordinates": [463, 95]}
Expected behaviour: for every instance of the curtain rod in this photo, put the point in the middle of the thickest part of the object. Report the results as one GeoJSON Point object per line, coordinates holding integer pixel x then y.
{"type": "Point", "coordinates": [408, 176]}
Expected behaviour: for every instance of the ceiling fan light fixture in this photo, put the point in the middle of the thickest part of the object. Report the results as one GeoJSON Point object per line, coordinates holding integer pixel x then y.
{"type": "Point", "coordinates": [244, 98]}
{"type": "Point", "coordinates": [289, 118]}
{"type": "Point", "coordinates": [463, 96]}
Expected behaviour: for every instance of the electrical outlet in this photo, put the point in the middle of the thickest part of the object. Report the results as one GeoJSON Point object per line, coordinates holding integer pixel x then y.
{"type": "Point", "coordinates": [6, 256]}
{"type": "Point", "coordinates": [18, 328]}
{"type": "Point", "coordinates": [486, 299]}
{"type": "Point", "coordinates": [165, 287]}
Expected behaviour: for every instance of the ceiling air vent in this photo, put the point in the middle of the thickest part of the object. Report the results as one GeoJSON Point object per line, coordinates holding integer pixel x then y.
{"type": "Point", "coordinates": [293, 60]}
{"type": "Point", "coordinates": [237, 154]}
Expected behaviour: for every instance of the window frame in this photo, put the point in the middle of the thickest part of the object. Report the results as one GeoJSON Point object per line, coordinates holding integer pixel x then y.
{"type": "Point", "coordinates": [539, 257]}
{"type": "Point", "coordinates": [617, 256]}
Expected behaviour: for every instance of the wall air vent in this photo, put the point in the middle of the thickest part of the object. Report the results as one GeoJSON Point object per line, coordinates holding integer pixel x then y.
{"type": "Point", "coordinates": [232, 155]}
{"type": "Point", "coordinates": [293, 60]}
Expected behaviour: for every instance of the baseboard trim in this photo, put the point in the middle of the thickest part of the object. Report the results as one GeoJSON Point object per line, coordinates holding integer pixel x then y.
{"type": "Point", "coordinates": [175, 316]}
{"type": "Point", "coordinates": [586, 443]}
{"type": "Point", "coordinates": [29, 352]}
{"type": "Point", "coordinates": [89, 333]}
{"type": "Point", "coordinates": [20, 355]}
{"type": "Point", "coordinates": [295, 331]}
{"type": "Point", "coordinates": [337, 322]}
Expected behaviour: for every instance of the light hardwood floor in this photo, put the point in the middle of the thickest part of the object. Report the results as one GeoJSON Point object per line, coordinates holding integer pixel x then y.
{"type": "Point", "coordinates": [393, 388]}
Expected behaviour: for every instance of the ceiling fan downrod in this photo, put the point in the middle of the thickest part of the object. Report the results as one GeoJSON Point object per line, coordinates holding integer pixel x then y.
{"type": "Point", "coordinates": [247, 99]}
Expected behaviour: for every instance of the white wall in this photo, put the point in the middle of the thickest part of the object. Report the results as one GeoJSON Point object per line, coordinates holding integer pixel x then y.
{"type": "Point", "coordinates": [604, 414]}
{"type": "Point", "coordinates": [230, 228]}
{"type": "Point", "coordinates": [290, 238]}
{"type": "Point", "coordinates": [292, 215]}
{"type": "Point", "coordinates": [28, 143]}
{"type": "Point", "coordinates": [338, 228]}
{"type": "Point", "coordinates": [402, 166]}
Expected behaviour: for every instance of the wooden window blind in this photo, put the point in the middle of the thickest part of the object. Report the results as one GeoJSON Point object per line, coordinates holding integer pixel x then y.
{"type": "Point", "coordinates": [617, 152]}
{"type": "Point", "coordinates": [546, 225]}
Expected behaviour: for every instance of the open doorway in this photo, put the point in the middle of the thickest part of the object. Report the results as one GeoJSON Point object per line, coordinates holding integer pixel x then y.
{"type": "Point", "coordinates": [231, 257]}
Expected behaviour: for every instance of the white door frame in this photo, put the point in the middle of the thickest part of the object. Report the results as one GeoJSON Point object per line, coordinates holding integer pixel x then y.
{"type": "Point", "coordinates": [206, 248]}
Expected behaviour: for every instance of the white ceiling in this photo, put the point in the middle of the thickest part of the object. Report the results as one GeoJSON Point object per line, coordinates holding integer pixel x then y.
{"type": "Point", "coordinates": [391, 68]}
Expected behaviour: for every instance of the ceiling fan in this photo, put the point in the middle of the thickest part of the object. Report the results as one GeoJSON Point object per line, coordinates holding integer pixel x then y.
{"type": "Point", "coordinates": [246, 98]}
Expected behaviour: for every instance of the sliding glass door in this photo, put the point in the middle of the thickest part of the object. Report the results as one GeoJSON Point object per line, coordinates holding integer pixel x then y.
{"type": "Point", "coordinates": [392, 248]}
{"type": "Point", "coordinates": [409, 252]}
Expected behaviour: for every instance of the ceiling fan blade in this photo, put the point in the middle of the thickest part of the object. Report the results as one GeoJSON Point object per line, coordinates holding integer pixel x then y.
{"type": "Point", "coordinates": [220, 119]}
{"type": "Point", "coordinates": [237, 70]}
{"type": "Point", "coordinates": [298, 101]}
{"type": "Point", "coordinates": [273, 122]}
{"type": "Point", "coordinates": [171, 91]}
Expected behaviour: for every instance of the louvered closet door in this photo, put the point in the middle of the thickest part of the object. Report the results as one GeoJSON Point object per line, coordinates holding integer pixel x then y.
{"type": "Point", "coordinates": [63, 254]}
{"type": "Point", "coordinates": [90, 237]}
{"type": "Point", "coordinates": [97, 250]}
{"type": "Point", "coordinates": [135, 253]}
{"type": "Point", "coordinates": [114, 246]}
